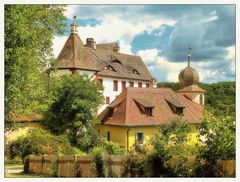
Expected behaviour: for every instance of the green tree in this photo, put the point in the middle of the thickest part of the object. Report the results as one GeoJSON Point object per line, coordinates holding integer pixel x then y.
{"type": "Point", "coordinates": [29, 31]}
{"type": "Point", "coordinates": [40, 142]}
{"type": "Point", "coordinates": [73, 109]}
{"type": "Point", "coordinates": [170, 141]}
{"type": "Point", "coordinates": [217, 135]}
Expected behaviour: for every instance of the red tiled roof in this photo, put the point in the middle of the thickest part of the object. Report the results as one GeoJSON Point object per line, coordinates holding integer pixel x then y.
{"type": "Point", "coordinates": [127, 112]}
{"type": "Point", "coordinates": [75, 55]}
{"type": "Point", "coordinates": [192, 88]}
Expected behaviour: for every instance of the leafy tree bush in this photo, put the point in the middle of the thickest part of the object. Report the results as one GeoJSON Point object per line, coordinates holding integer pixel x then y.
{"type": "Point", "coordinates": [156, 166]}
{"type": "Point", "coordinates": [15, 160]}
{"type": "Point", "coordinates": [73, 110]}
{"type": "Point", "coordinates": [40, 142]}
{"type": "Point", "coordinates": [171, 140]}
{"type": "Point", "coordinates": [217, 135]}
{"type": "Point", "coordinates": [133, 166]}
{"type": "Point", "coordinates": [29, 31]}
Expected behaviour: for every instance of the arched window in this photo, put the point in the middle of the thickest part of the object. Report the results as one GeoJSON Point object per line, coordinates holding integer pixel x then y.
{"type": "Point", "coordinates": [135, 71]}
{"type": "Point", "coordinates": [108, 67]}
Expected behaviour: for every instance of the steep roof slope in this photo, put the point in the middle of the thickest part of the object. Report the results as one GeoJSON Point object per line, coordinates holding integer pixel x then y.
{"type": "Point", "coordinates": [74, 55]}
{"type": "Point", "coordinates": [160, 99]}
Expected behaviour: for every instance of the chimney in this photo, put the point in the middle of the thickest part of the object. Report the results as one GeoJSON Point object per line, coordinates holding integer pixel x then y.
{"type": "Point", "coordinates": [91, 43]}
{"type": "Point", "coordinates": [116, 48]}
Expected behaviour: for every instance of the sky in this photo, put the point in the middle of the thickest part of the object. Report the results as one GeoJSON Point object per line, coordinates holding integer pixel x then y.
{"type": "Point", "coordinates": [161, 36]}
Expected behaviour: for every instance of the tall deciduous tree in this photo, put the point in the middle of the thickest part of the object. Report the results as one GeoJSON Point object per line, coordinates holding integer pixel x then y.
{"type": "Point", "coordinates": [29, 31]}
{"type": "Point", "coordinates": [73, 110]}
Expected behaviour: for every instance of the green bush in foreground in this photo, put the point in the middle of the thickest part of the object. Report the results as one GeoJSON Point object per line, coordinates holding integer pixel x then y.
{"type": "Point", "coordinates": [40, 142]}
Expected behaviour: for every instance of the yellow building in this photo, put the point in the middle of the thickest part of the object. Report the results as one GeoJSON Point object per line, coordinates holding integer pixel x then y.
{"type": "Point", "coordinates": [134, 116]}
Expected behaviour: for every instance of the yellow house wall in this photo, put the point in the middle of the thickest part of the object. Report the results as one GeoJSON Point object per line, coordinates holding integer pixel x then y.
{"type": "Point", "coordinates": [119, 134]}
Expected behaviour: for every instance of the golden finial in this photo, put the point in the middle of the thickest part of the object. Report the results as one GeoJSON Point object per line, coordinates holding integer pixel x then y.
{"type": "Point", "coordinates": [74, 25]}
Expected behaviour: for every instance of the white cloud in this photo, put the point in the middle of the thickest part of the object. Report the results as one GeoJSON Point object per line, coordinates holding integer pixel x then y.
{"type": "Point", "coordinates": [231, 57]}
{"type": "Point", "coordinates": [160, 67]}
{"type": "Point", "coordinates": [58, 43]}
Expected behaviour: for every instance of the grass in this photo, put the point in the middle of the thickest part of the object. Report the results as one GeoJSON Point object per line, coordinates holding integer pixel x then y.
{"type": "Point", "coordinates": [22, 175]}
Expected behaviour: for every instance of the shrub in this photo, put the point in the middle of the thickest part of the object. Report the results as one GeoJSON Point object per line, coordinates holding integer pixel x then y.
{"type": "Point", "coordinates": [110, 147]}
{"type": "Point", "coordinates": [99, 165]}
{"type": "Point", "coordinates": [40, 142]}
{"type": "Point", "coordinates": [133, 166]}
{"type": "Point", "coordinates": [154, 166]}
{"type": "Point", "coordinates": [15, 160]}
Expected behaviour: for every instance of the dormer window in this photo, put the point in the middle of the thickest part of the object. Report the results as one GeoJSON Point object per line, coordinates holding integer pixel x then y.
{"type": "Point", "coordinates": [135, 72]}
{"type": "Point", "coordinates": [148, 111]}
{"type": "Point", "coordinates": [175, 105]}
{"type": "Point", "coordinates": [145, 106]}
{"type": "Point", "coordinates": [116, 61]}
{"type": "Point", "coordinates": [110, 68]}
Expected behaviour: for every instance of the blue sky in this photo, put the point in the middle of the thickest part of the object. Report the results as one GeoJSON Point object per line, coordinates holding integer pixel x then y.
{"type": "Point", "coordinates": [161, 34]}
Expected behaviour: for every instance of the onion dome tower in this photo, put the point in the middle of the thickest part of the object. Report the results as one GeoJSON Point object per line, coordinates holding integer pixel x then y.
{"type": "Point", "coordinates": [189, 78]}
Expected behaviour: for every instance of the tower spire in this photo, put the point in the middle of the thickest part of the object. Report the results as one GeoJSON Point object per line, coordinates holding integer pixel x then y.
{"type": "Point", "coordinates": [189, 55]}
{"type": "Point", "coordinates": [74, 26]}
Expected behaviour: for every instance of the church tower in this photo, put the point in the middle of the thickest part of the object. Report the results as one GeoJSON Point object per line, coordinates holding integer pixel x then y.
{"type": "Point", "coordinates": [189, 78]}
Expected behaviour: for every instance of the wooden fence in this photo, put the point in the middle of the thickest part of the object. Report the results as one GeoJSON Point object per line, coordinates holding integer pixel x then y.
{"type": "Point", "coordinates": [83, 166]}
{"type": "Point", "coordinates": [71, 166]}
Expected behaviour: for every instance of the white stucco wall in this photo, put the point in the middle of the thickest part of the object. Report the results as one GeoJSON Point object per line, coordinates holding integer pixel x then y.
{"type": "Point", "coordinates": [107, 84]}
{"type": "Point", "coordinates": [108, 88]}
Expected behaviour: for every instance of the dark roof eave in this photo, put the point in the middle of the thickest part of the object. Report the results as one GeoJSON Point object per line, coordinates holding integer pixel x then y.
{"type": "Point", "coordinates": [124, 77]}
{"type": "Point", "coordinates": [86, 69]}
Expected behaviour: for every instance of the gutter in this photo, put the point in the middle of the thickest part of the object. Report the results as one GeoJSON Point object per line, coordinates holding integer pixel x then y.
{"type": "Point", "coordinates": [128, 139]}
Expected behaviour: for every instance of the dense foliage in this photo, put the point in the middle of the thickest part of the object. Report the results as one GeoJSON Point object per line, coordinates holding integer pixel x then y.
{"type": "Point", "coordinates": [218, 137]}
{"type": "Point", "coordinates": [75, 100]}
{"type": "Point", "coordinates": [29, 31]}
{"type": "Point", "coordinates": [220, 96]}
{"type": "Point", "coordinates": [40, 142]}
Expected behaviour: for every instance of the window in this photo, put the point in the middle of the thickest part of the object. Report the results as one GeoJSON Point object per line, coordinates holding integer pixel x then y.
{"type": "Point", "coordinates": [140, 84]}
{"type": "Point", "coordinates": [179, 110]}
{"type": "Point", "coordinates": [108, 136]}
{"type": "Point", "coordinates": [135, 72]}
{"type": "Point", "coordinates": [99, 81]}
{"type": "Point", "coordinates": [107, 100]}
{"type": "Point", "coordinates": [115, 85]}
{"type": "Point", "coordinates": [139, 138]}
{"type": "Point", "coordinates": [108, 67]}
{"type": "Point", "coordinates": [123, 85]}
{"type": "Point", "coordinates": [147, 85]}
{"type": "Point", "coordinates": [148, 111]}
{"type": "Point", "coordinates": [131, 84]}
